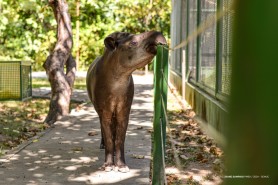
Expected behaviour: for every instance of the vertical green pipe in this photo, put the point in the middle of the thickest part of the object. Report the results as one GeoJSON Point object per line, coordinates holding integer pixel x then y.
{"type": "Point", "coordinates": [158, 170]}
{"type": "Point", "coordinates": [164, 88]}
{"type": "Point", "coordinates": [252, 134]}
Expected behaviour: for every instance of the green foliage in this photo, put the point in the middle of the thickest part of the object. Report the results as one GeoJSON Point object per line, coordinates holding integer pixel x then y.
{"type": "Point", "coordinates": [28, 27]}
{"type": "Point", "coordinates": [23, 29]}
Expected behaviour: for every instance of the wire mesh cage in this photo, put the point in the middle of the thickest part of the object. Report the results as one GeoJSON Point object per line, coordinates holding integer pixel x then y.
{"type": "Point", "coordinates": [226, 48]}
{"type": "Point", "coordinates": [192, 49]}
{"type": "Point", "coordinates": [15, 80]}
{"type": "Point", "coordinates": [208, 45]}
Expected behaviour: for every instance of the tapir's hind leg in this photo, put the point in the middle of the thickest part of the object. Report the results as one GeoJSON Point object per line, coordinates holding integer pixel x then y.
{"type": "Point", "coordinates": [102, 145]}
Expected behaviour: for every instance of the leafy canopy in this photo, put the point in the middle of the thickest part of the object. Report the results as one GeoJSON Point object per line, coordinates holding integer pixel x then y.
{"type": "Point", "coordinates": [28, 27]}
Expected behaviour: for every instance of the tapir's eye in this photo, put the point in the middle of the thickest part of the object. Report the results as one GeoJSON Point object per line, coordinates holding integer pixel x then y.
{"type": "Point", "coordinates": [133, 43]}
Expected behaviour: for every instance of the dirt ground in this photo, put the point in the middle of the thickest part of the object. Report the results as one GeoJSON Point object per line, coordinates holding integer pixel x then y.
{"type": "Point", "coordinates": [192, 157]}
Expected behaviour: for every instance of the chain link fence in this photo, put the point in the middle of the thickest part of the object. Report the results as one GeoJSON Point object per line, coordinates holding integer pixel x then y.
{"type": "Point", "coordinates": [226, 64]}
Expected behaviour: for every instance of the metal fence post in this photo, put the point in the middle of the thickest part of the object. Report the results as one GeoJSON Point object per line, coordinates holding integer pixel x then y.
{"type": "Point", "coordinates": [164, 68]}
{"type": "Point", "coordinates": [21, 80]}
{"type": "Point", "coordinates": [158, 171]}
{"type": "Point", "coordinates": [160, 117]}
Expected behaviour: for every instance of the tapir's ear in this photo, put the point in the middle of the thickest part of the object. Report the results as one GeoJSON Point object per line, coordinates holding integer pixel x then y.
{"type": "Point", "coordinates": [110, 43]}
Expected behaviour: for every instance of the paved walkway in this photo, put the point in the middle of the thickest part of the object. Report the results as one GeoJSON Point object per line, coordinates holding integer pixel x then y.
{"type": "Point", "coordinates": [67, 155]}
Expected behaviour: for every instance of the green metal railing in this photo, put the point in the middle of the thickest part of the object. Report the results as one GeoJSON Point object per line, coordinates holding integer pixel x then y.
{"type": "Point", "coordinates": [160, 115]}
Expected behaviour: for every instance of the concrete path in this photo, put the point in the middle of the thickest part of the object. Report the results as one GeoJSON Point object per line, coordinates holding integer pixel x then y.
{"type": "Point", "coordinates": [67, 155]}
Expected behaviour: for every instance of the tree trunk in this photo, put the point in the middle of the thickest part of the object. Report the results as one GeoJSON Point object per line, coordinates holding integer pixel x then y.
{"type": "Point", "coordinates": [77, 33]}
{"type": "Point", "coordinates": [61, 82]}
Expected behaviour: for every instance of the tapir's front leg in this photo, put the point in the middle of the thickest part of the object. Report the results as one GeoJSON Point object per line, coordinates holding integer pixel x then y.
{"type": "Point", "coordinates": [121, 128]}
{"type": "Point", "coordinates": [120, 134]}
{"type": "Point", "coordinates": [106, 125]}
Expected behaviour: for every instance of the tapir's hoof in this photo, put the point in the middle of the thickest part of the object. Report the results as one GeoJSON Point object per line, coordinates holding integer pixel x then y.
{"type": "Point", "coordinates": [102, 146]}
{"type": "Point", "coordinates": [123, 169]}
{"type": "Point", "coordinates": [106, 168]}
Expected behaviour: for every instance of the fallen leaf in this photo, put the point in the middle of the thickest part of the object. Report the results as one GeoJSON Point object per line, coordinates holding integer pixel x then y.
{"type": "Point", "coordinates": [10, 143]}
{"type": "Point", "coordinates": [217, 161]}
{"type": "Point", "coordinates": [78, 108]}
{"type": "Point", "coordinates": [172, 178]}
{"type": "Point", "coordinates": [138, 156]}
{"type": "Point", "coordinates": [199, 132]}
{"type": "Point", "coordinates": [213, 150]}
{"type": "Point", "coordinates": [92, 133]}
{"type": "Point", "coordinates": [185, 126]}
{"type": "Point", "coordinates": [191, 114]}
{"type": "Point", "coordinates": [16, 131]}
{"type": "Point", "coordinates": [168, 150]}
{"type": "Point", "coordinates": [200, 141]}
{"type": "Point", "coordinates": [199, 157]}
{"type": "Point", "coordinates": [187, 139]}
{"type": "Point", "coordinates": [204, 161]}
{"type": "Point", "coordinates": [184, 157]}
{"type": "Point", "coordinates": [209, 142]}
{"type": "Point", "coordinates": [139, 128]}
{"type": "Point", "coordinates": [77, 149]}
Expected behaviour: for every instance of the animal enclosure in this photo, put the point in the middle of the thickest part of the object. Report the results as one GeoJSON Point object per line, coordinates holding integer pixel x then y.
{"type": "Point", "coordinates": [201, 33]}
{"type": "Point", "coordinates": [15, 80]}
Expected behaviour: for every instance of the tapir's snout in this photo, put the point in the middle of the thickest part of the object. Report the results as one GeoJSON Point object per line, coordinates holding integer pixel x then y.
{"type": "Point", "coordinates": [153, 39]}
{"type": "Point", "coordinates": [160, 39]}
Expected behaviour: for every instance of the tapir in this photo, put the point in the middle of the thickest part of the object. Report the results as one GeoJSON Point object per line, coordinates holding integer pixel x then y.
{"type": "Point", "coordinates": [111, 89]}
